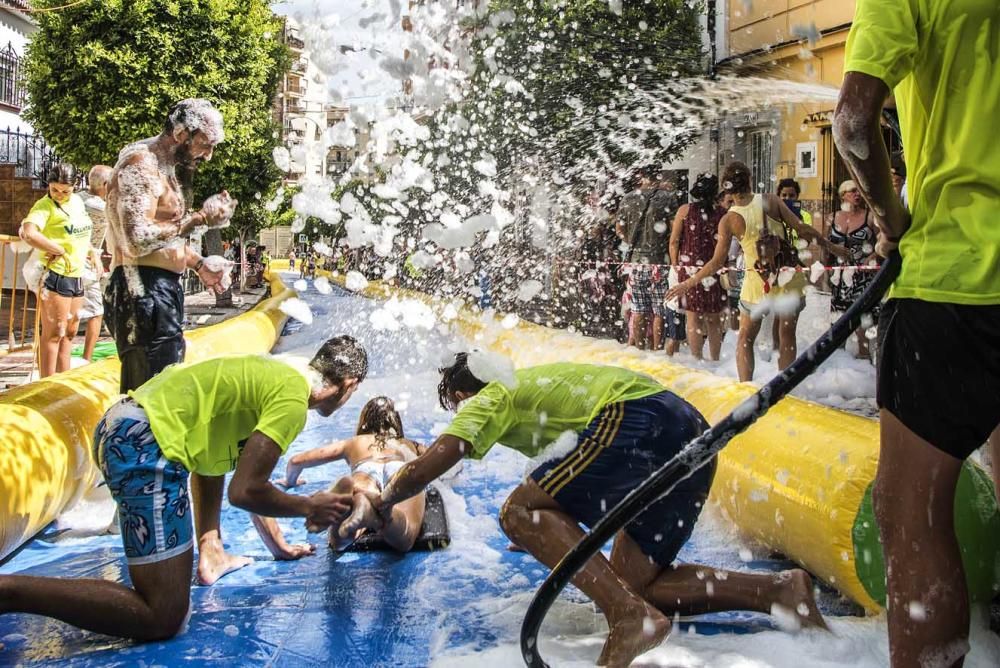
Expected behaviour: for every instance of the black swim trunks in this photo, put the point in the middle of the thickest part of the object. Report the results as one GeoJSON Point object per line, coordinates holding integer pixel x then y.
{"type": "Point", "coordinates": [63, 285]}
{"type": "Point", "coordinates": [147, 329]}
{"type": "Point", "coordinates": [624, 445]}
{"type": "Point", "coordinates": [939, 371]}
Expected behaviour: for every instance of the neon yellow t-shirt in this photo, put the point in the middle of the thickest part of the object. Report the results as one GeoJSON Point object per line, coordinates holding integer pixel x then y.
{"type": "Point", "coordinates": [547, 401]}
{"type": "Point", "coordinates": [202, 413]}
{"type": "Point", "coordinates": [941, 59]}
{"type": "Point", "coordinates": [68, 225]}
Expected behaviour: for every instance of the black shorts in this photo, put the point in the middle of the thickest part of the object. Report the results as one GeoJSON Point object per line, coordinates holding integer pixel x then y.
{"type": "Point", "coordinates": [939, 371]}
{"type": "Point", "coordinates": [624, 445]}
{"type": "Point", "coordinates": [148, 329]}
{"type": "Point", "coordinates": [63, 286]}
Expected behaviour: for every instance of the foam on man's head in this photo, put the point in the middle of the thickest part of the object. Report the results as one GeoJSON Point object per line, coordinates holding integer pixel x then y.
{"type": "Point", "coordinates": [196, 115]}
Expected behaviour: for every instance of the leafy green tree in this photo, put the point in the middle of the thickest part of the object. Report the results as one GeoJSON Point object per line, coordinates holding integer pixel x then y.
{"type": "Point", "coordinates": [104, 74]}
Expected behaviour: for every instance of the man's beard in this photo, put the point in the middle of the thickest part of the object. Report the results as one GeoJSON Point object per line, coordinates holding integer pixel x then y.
{"type": "Point", "coordinates": [184, 157]}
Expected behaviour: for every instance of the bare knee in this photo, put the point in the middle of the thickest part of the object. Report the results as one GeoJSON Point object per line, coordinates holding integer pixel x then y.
{"type": "Point", "coordinates": [168, 621]}
{"type": "Point", "coordinates": [514, 515]}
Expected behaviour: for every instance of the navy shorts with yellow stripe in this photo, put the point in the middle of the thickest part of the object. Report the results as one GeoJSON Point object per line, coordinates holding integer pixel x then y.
{"type": "Point", "coordinates": [622, 447]}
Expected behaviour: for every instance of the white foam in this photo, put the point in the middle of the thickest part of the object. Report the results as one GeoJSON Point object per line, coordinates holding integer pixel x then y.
{"type": "Point", "coordinates": [298, 309]}
{"type": "Point", "coordinates": [322, 285]}
{"type": "Point", "coordinates": [489, 366]}
{"type": "Point", "coordinates": [356, 281]}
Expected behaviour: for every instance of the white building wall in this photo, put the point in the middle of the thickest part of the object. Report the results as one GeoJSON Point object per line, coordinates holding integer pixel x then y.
{"type": "Point", "coordinates": [15, 29]}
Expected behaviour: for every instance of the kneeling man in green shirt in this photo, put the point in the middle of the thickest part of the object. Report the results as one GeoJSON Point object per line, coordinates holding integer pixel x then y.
{"type": "Point", "coordinates": [238, 413]}
{"type": "Point", "coordinates": [595, 433]}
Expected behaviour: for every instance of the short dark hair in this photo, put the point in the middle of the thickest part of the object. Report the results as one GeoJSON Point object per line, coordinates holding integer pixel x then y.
{"type": "Point", "coordinates": [736, 178]}
{"type": "Point", "coordinates": [706, 191]}
{"type": "Point", "coordinates": [457, 378]}
{"type": "Point", "coordinates": [789, 183]}
{"type": "Point", "coordinates": [63, 173]}
{"type": "Point", "coordinates": [340, 358]}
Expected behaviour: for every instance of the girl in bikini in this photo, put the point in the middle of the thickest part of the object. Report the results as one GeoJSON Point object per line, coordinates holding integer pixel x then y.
{"type": "Point", "coordinates": [375, 453]}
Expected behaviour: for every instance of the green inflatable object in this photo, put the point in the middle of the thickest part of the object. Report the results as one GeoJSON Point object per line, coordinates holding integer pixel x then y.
{"type": "Point", "coordinates": [102, 350]}
{"type": "Point", "coordinates": [978, 529]}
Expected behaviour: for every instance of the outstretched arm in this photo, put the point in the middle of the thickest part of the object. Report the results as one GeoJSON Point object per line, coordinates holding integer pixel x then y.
{"type": "Point", "coordinates": [310, 458]}
{"type": "Point", "coordinates": [711, 267]}
{"type": "Point", "coordinates": [270, 533]}
{"type": "Point", "coordinates": [446, 451]}
{"type": "Point", "coordinates": [776, 205]}
{"type": "Point", "coordinates": [857, 129]}
{"type": "Point", "coordinates": [251, 488]}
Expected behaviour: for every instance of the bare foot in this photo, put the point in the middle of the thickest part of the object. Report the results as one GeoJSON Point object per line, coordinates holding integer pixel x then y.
{"type": "Point", "coordinates": [214, 562]}
{"type": "Point", "coordinates": [796, 598]}
{"type": "Point", "coordinates": [343, 486]}
{"type": "Point", "coordinates": [633, 632]}
{"type": "Point", "coordinates": [362, 517]}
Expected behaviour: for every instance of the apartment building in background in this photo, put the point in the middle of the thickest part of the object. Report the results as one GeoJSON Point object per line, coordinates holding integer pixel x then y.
{"type": "Point", "coordinates": [303, 112]}
{"type": "Point", "coordinates": [794, 40]}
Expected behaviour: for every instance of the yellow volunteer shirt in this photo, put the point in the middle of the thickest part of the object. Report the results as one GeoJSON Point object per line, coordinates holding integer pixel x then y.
{"type": "Point", "coordinates": [941, 58]}
{"type": "Point", "coordinates": [68, 225]}
{"type": "Point", "coordinates": [203, 413]}
{"type": "Point", "coordinates": [547, 401]}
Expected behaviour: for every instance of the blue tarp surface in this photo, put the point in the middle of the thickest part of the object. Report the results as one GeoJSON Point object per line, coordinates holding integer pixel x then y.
{"type": "Point", "coordinates": [370, 609]}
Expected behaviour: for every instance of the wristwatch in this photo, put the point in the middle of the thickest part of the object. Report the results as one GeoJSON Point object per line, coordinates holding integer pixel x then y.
{"type": "Point", "coordinates": [198, 265]}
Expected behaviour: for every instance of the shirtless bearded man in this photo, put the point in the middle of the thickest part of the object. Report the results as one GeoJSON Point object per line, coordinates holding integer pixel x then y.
{"type": "Point", "coordinates": [148, 229]}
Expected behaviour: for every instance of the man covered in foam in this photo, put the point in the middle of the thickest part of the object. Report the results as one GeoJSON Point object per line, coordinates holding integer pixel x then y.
{"type": "Point", "coordinates": [149, 230]}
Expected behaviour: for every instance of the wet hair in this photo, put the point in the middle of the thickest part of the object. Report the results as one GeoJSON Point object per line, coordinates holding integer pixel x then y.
{"type": "Point", "coordinates": [63, 173]}
{"type": "Point", "coordinates": [457, 378]}
{"type": "Point", "coordinates": [736, 178]}
{"type": "Point", "coordinates": [340, 358]}
{"type": "Point", "coordinates": [380, 419]}
{"type": "Point", "coordinates": [706, 191]}
{"type": "Point", "coordinates": [789, 183]}
{"type": "Point", "coordinates": [195, 115]}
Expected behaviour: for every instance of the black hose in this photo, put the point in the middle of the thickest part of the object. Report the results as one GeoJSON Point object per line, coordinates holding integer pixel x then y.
{"type": "Point", "coordinates": [696, 454]}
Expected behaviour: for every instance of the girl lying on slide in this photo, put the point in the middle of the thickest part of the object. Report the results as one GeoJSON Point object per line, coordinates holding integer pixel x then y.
{"type": "Point", "coordinates": [375, 453]}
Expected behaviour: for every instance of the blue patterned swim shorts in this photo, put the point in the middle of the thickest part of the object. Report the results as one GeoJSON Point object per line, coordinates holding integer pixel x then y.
{"type": "Point", "coordinates": [154, 510]}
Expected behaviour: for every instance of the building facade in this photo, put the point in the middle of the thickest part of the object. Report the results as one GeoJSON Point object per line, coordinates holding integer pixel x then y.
{"type": "Point", "coordinates": [16, 28]}
{"type": "Point", "coordinates": [303, 112]}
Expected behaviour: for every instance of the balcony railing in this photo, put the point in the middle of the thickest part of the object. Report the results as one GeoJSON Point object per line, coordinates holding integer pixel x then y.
{"type": "Point", "coordinates": [12, 93]}
{"type": "Point", "coordinates": [29, 154]}
{"type": "Point", "coordinates": [295, 43]}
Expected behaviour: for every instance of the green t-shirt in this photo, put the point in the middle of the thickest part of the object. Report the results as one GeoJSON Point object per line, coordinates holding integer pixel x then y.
{"type": "Point", "coordinates": [547, 401]}
{"type": "Point", "coordinates": [940, 56]}
{"type": "Point", "coordinates": [202, 413]}
{"type": "Point", "coordinates": [67, 225]}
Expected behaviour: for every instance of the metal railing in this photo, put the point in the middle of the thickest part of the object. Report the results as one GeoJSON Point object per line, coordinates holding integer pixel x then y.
{"type": "Point", "coordinates": [17, 301]}
{"type": "Point", "coordinates": [29, 153]}
{"type": "Point", "coordinates": [12, 93]}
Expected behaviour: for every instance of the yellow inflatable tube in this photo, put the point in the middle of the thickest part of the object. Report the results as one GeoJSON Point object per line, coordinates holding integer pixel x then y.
{"type": "Point", "coordinates": [46, 427]}
{"type": "Point", "coordinates": [798, 481]}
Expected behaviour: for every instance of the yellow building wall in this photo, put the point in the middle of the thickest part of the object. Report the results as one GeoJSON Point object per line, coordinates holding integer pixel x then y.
{"type": "Point", "coordinates": [778, 27]}
{"type": "Point", "coordinates": [762, 23]}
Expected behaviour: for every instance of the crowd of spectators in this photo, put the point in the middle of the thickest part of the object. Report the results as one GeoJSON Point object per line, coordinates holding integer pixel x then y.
{"type": "Point", "coordinates": [638, 272]}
